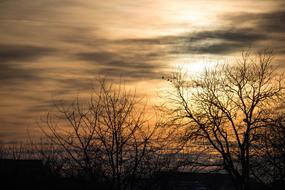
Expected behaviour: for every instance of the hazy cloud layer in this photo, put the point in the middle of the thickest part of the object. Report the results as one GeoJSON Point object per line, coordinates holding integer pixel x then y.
{"type": "Point", "coordinates": [243, 30]}
{"type": "Point", "coordinates": [132, 66]}
{"type": "Point", "coordinates": [52, 47]}
{"type": "Point", "coordinates": [222, 41]}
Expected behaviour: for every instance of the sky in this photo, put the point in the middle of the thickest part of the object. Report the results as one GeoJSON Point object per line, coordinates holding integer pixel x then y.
{"type": "Point", "coordinates": [57, 49]}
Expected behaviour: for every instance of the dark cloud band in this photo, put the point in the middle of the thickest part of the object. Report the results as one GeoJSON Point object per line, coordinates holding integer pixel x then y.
{"type": "Point", "coordinates": [9, 53]}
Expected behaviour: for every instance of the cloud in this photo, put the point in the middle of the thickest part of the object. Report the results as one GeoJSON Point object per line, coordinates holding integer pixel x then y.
{"type": "Point", "coordinates": [142, 58]}
{"type": "Point", "coordinates": [74, 84]}
{"type": "Point", "coordinates": [130, 65]}
{"type": "Point", "coordinates": [270, 25]}
{"type": "Point", "coordinates": [262, 22]}
{"type": "Point", "coordinates": [242, 30]}
{"type": "Point", "coordinates": [221, 41]}
{"type": "Point", "coordinates": [118, 60]}
{"type": "Point", "coordinates": [272, 22]}
{"type": "Point", "coordinates": [11, 73]}
{"type": "Point", "coordinates": [12, 62]}
{"type": "Point", "coordinates": [243, 35]}
{"type": "Point", "coordinates": [219, 48]}
{"type": "Point", "coordinates": [22, 52]}
{"type": "Point", "coordinates": [130, 74]}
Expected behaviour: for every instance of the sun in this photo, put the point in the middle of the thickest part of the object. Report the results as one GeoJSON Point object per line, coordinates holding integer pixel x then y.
{"type": "Point", "coordinates": [193, 67]}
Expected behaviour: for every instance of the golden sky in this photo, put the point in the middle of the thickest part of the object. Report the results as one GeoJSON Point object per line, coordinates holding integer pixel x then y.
{"type": "Point", "coordinates": [55, 49]}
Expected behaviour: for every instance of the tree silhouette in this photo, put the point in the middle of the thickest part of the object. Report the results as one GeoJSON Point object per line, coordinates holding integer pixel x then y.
{"type": "Point", "coordinates": [270, 168]}
{"type": "Point", "coordinates": [227, 107]}
{"type": "Point", "coordinates": [109, 139]}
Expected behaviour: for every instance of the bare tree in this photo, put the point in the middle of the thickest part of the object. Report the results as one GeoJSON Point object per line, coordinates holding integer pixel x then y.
{"type": "Point", "coordinates": [227, 107]}
{"type": "Point", "coordinates": [270, 168]}
{"type": "Point", "coordinates": [109, 138]}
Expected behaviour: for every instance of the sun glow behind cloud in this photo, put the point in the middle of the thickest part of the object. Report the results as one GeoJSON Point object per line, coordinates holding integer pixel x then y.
{"type": "Point", "coordinates": [194, 67]}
